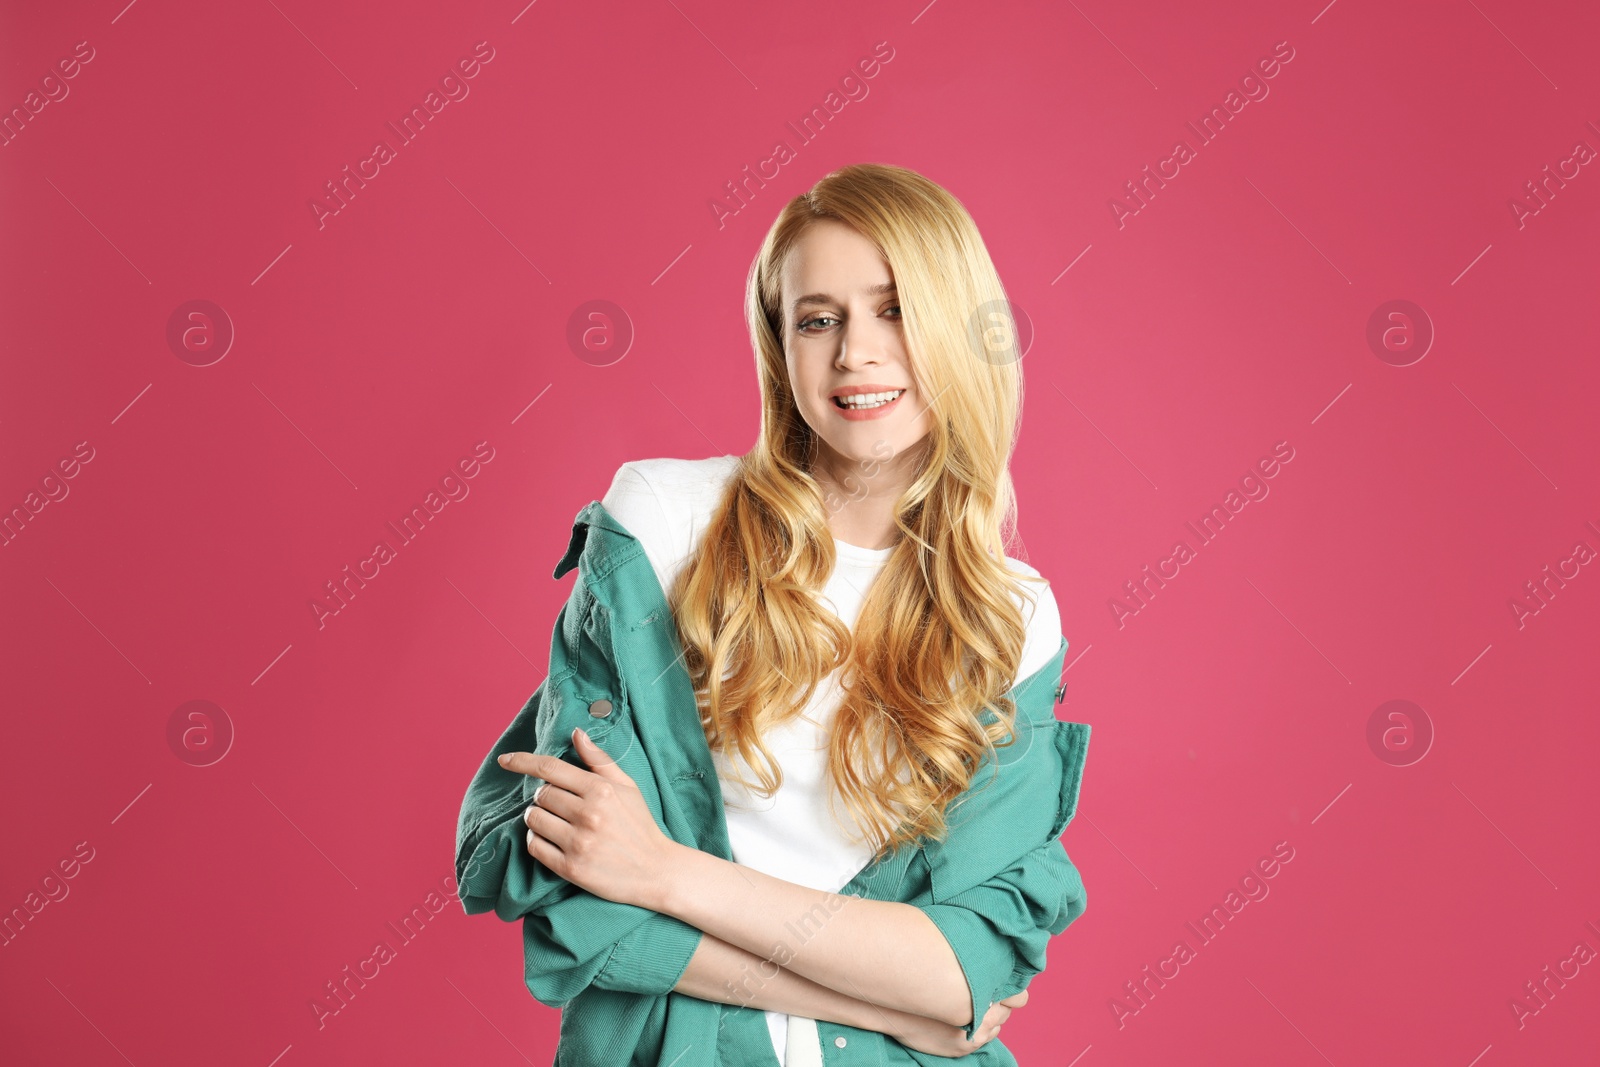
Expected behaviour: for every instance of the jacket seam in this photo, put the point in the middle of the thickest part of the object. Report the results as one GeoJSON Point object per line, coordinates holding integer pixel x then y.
{"type": "Point", "coordinates": [613, 561]}
{"type": "Point", "coordinates": [494, 819]}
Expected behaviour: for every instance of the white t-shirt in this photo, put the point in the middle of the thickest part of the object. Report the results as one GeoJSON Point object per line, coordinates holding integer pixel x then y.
{"type": "Point", "coordinates": [666, 504]}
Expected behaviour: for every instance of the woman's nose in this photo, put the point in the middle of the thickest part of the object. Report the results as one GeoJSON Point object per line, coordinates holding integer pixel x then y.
{"type": "Point", "coordinates": [859, 347]}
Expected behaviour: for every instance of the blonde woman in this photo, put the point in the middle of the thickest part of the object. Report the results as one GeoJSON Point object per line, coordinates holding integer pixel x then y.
{"type": "Point", "coordinates": [874, 873]}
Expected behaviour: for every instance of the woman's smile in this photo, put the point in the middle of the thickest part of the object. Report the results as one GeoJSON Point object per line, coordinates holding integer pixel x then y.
{"type": "Point", "coordinates": [865, 402]}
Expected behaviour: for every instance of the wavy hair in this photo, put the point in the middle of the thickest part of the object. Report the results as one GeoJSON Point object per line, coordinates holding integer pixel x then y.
{"type": "Point", "coordinates": [939, 638]}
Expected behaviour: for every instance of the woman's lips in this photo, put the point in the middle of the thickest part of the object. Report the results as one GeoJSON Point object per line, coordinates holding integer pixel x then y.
{"type": "Point", "coordinates": [862, 414]}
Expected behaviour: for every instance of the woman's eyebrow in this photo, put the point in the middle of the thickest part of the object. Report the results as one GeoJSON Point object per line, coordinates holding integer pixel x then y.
{"type": "Point", "coordinates": [823, 298]}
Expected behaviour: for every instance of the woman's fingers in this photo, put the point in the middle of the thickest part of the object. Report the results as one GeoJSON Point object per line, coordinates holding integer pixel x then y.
{"type": "Point", "coordinates": [553, 798]}
{"type": "Point", "coordinates": [546, 853]}
{"type": "Point", "coordinates": [552, 814]}
{"type": "Point", "coordinates": [998, 1013]}
{"type": "Point", "coordinates": [551, 769]}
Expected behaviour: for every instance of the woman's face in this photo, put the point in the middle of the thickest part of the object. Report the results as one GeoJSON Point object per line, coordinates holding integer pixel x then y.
{"type": "Point", "coordinates": [843, 341]}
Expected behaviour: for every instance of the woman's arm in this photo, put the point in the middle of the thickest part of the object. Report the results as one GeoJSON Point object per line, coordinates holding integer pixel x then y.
{"type": "Point", "coordinates": [594, 829]}
{"type": "Point", "coordinates": [889, 953]}
{"type": "Point", "coordinates": [726, 974]}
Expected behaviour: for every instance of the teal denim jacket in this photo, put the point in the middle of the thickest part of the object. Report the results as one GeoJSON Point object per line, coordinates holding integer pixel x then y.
{"type": "Point", "coordinates": [998, 886]}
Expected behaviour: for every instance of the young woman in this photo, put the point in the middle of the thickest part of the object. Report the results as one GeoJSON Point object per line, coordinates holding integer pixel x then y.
{"type": "Point", "coordinates": [846, 608]}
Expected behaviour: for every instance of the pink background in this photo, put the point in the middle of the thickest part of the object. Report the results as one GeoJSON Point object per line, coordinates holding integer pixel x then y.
{"type": "Point", "coordinates": [1172, 352]}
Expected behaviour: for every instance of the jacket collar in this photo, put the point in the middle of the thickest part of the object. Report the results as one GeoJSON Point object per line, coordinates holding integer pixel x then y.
{"type": "Point", "coordinates": [593, 514]}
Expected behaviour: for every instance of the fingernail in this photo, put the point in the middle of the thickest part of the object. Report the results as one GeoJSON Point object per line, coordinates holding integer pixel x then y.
{"type": "Point", "coordinates": [504, 758]}
{"type": "Point", "coordinates": [577, 732]}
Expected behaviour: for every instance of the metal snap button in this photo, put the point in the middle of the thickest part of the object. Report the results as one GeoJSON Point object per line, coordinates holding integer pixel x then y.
{"type": "Point", "coordinates": [1061, 692]}
{"type": "Point", "coordinates": [600, 708]}
{"type": "Point", "coordinates": [838, 1042]}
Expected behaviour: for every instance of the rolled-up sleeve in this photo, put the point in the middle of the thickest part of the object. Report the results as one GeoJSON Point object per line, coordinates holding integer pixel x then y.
{"type": "Point", "coordinates": [999, 929]}
{"type": "Point", "coordinates": [1002, 883]}
{"type": "Point", "coordinates": [572, 939]}
{"type": "Point", "coordinates": [583, 940]}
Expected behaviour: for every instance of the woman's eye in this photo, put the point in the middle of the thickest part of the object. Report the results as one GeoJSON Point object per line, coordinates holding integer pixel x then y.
{"type": "Point", "coordinates": [808, 323]}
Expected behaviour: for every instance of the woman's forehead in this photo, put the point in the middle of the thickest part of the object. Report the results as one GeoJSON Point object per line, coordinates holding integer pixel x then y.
{"type": "Point", "coordinates": [833, 263]}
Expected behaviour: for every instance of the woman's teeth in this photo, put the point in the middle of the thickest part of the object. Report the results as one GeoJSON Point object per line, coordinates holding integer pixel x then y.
{"type": "Point", "coordinates": [867, 400]}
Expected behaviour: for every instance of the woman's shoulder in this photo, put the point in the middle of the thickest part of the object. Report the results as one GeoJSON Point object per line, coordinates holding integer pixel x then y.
{"type": "Point", "coordinates": [665, 502]}
{"type": "Point", "coordinates": [680, 475]}
{"type": "Point", "coordinates": [649, 489]}
{"type": "Point", "coordinates": [1043, 619]}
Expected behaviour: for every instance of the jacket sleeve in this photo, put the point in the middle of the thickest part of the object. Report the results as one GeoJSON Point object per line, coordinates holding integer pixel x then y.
{"type": "Point", "coordinates": [572, 939]}
{"type": "Point", "coordinates": [1002, 884]}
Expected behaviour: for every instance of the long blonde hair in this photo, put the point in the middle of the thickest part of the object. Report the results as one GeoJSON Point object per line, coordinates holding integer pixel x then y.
{"type": "Point", "coordinates": [939, 637]}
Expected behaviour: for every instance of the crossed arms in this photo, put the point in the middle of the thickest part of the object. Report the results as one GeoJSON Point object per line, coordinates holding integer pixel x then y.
{"type": "Point", "coordinates": [607, 900]}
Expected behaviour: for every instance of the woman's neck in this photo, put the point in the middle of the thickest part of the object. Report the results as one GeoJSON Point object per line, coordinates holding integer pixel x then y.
{"type": "Point", "coordinates": [859, 497]}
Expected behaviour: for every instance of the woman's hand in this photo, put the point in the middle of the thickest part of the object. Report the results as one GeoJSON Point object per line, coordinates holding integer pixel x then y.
{"type": "Point", "coordinates": [942, 1039]}
{"type": "Point", "coordinates": [593, 827]}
